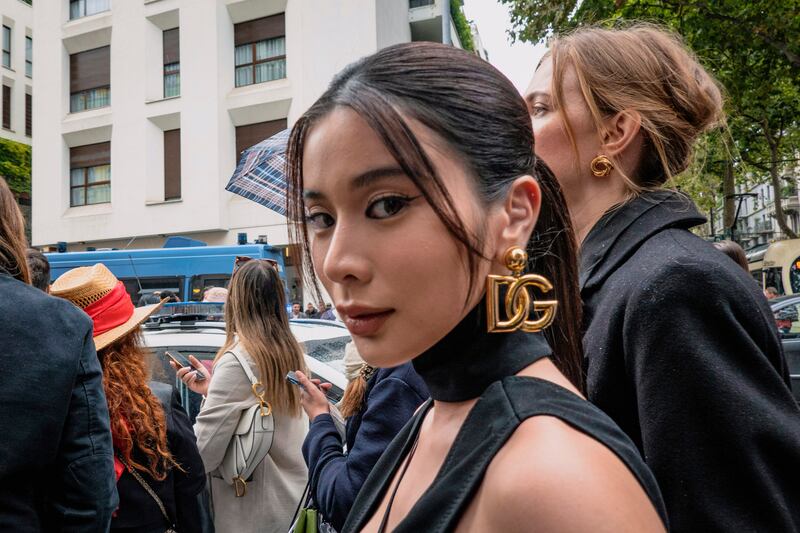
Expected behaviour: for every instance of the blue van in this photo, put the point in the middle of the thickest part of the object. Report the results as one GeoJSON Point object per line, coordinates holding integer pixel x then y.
{"type": "Point", "coordinates": [187, 271]}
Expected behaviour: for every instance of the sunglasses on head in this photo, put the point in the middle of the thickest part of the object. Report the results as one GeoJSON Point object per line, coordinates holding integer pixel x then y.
{"type": "Point", "coordinates": [242, 259]}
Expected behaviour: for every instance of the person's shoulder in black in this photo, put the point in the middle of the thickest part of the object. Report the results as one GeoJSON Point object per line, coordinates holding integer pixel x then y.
{"type": "Point", "coordinates": [684, 355]}
{"type": "Point", "coordinates": [55, 442]}
{"type": "Point", "coordinates": [181, 492]}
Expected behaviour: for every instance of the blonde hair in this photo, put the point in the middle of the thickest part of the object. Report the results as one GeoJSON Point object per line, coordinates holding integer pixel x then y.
{"type": "Point", "coordinates": [13, 244]}
{"type": "Point", "coordinates": [254, 312]}
{"type": "Point", "coordinates": [648, 70]}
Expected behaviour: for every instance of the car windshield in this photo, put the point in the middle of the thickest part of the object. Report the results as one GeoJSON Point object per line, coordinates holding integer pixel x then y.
{"type": "Point", "coordinates": [188, 333]}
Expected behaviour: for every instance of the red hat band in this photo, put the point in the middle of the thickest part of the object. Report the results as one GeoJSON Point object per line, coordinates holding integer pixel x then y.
{"type": "Point", "coordinates": [110, 311]}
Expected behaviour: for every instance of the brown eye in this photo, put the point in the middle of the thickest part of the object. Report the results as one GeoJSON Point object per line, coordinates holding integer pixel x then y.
{"type": "Point", "coordinates": [319, 221]}
{"type": "Point", "coordinates": [387, 206]}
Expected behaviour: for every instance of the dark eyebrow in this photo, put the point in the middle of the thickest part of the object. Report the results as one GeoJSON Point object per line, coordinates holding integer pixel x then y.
{"type": "Point", "coordinates": [369, 177]}
{"type": "Point", "coordinates": [362, 180]}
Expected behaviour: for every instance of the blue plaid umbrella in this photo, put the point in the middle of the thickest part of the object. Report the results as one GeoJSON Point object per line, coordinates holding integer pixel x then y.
{"type": "Point", "coordinates": [261, 173]}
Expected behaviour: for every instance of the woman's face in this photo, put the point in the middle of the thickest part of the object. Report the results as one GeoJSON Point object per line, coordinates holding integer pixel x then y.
{"type": "Point", "coordinates": [550, 135]}
{"type": "Point", "coordinates": [396, 275]}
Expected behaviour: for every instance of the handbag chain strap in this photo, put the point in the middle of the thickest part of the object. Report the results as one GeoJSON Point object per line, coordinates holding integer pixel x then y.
{"type": "Point", "coordinates": [150, 491]}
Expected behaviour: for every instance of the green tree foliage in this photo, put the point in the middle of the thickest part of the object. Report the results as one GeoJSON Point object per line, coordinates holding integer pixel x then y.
{"type": "Point", "coordinates": [752, 47]}
{"type": "Point", "coordinates": [15, 165]}
{"type": "Point", "coordinates": [462, 24]}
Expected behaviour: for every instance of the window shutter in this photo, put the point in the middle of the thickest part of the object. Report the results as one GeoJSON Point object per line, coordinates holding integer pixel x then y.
{"type": "Point", "coordinates": [90, 155]}
{"type": "Point", "coordinates": [28, 115]}
{"type": "Point", "coordinates": [259, 29]}
{"type": "Point", "coordinates": [90, 69]}
{"type": "Point", "coordinates": [7, 107]}
{"type": "Point", "coordinates": [247, 136]}
{"type": "Point", "coordinates": [172, 164]}
{"type": "Point", "coordinates": [172, 50]}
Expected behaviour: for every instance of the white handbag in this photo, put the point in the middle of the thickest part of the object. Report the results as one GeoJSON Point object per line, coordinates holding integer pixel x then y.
{"type": "Point", "coordinates": [252, 438]}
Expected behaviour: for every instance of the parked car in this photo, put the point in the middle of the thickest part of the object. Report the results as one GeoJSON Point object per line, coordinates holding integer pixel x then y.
{"type": "Point", "coordinates": [786, 310]}
{"type": "Point", "coordinates": [198, 329]}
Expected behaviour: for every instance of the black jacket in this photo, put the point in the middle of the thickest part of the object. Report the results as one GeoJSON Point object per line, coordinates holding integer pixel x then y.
{"type": "Point", "coordinates": [683, 353]}
{"type": "Point", "coordinates": [392, 396]}
{"type": "Point", "coordinates": [56, 459]}
{"type": "Point", "coordinates": [181, 491]}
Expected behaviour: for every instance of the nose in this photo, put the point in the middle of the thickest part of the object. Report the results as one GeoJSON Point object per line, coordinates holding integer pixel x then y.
{"type": "Point", "coordinates": [346, 260]}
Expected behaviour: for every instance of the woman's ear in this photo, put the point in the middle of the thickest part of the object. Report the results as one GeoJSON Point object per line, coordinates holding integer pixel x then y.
{"type": "Point", "coordinates": [519, 214]}
{"type": "Point", "coordinates": [622, 131]}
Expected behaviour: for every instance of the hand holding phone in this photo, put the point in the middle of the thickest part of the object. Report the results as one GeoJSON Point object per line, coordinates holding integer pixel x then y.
{"type": "Point", "coordinates": [314, 402]}
{"type": "Point", "coordinates": [182, 362]}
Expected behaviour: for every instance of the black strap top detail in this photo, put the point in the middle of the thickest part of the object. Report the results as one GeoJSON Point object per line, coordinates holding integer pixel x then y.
{"type": "Point", "coordinates": [469, 359]}
{"type": "Point", "coordinates": [489, 425]}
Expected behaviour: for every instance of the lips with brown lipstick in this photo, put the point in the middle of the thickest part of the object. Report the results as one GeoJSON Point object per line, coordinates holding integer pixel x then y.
{"type": "Point", "coordinates": [362, 320]}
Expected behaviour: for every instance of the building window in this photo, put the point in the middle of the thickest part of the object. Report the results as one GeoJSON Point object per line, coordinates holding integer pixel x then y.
{"type": "Point", "coordinates": [251, 134]}
{"type": "Point", "coordinates": [172, 164]}
{"type": "Point", "coordinates": [6, 107]}
{"type": "Point", "coordinates": [28, 115]}
{"type": "Point", "coordinates": [6, 47]}
{"type": "Point", "coordinates": [84, 8]}
{"type": "Point", "coordinates": [29, 56]}
{"type": "Point", "coordinates": [172, 63]}
{"type": "Point", "coordinates": [260, 53]}
{"type": "Point", "coordinates": [90, 174]}
{"type": "Point", "coordinates": [90, 79]}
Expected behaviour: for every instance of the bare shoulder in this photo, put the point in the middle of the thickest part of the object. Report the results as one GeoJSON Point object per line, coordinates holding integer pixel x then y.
{"type": "Point", "coordinates": [559, 478]}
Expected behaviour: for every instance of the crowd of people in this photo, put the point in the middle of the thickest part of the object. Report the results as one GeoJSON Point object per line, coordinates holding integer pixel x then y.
{"type": "Point", "coordinates": [539, 340]}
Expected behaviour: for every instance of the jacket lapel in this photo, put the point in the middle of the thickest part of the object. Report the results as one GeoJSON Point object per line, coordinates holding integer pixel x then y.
{"type": "Point", "coordinates": [624, 228]}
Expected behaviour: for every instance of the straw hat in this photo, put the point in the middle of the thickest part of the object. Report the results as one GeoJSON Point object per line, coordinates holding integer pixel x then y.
{"type": "Point", "coordinates": [103, 297]}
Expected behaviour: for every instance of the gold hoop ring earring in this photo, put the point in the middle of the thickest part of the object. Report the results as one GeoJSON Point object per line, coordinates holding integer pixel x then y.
{"type": "Point", "coordinates": [518, 302]}
{"type": "Point", "coordinates": [601, 166]}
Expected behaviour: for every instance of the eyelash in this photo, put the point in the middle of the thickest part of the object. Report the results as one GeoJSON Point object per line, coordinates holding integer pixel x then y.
{"type": "Point", "coordinates": [404, 201]}
{"type": "Point", "coordinates": [536, 108]}
{"type": "Point", "coordinates": [318, 220]}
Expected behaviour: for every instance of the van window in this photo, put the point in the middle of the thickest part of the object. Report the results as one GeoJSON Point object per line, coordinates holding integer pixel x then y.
{"type": "Point", "coordinates": [152, 284]}
{"type": "Point", "coordinates": [772, 278]}
{"type": "Point", "coordinates": [794, 275]}
{"type": "Point", "coordinates": [758, 276]}
{"type": "Point", "coordinates": [200, 283]}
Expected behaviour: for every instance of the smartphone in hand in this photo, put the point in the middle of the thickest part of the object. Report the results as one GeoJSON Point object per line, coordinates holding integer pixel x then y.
{"type": "Point", "coordinates": [182, 361]}
{"type": "Point", "coordinates": [291, 377]}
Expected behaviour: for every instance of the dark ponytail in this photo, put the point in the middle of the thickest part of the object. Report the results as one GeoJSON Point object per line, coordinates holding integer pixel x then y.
{"type": "Point", "coordinates": [552, 252]}
{"type": "Point", "coordinates": [484, 120]}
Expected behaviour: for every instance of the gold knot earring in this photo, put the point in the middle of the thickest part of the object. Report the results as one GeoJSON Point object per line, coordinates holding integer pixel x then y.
{"type": "Point", "coordinates": [601, 166]}
{"type": "Point", "coordinates": [517, 303]}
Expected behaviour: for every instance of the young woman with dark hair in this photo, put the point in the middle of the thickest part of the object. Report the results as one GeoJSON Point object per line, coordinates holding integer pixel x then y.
{"type": "Point", "coordinates": [681, 348]}
{"type": "Point", "coordinates": [415, 192]}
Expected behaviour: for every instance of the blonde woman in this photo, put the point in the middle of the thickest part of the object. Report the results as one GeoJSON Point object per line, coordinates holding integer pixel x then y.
{"type": "Point", "coordinates": [681, 349]}
{"type": "Point", "coordinates": [258, 329]}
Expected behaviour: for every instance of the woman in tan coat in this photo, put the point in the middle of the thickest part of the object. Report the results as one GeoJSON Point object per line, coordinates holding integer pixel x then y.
{"type": "Point", "coordinates": [258, 329]}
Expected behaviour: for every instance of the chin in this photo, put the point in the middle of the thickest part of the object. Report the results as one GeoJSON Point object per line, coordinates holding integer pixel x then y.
{"type": "Point", "coordinates": [379, 353]}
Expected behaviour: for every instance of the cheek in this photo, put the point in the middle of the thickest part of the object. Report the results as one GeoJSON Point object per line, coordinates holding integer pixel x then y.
{"type": "Point", "coordinates": [419, 273]}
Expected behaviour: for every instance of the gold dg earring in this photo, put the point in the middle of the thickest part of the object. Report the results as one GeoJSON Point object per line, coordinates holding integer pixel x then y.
{"type": "Point", "coordinates": [601, 166]}
{"type": "Point", "coordinates": [517, 299]}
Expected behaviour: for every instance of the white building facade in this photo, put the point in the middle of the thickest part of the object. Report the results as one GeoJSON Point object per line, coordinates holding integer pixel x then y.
{"type": "Point", "coordinates": [142, 106]}
{"type": "Point", "coordinates": [16, 67]}
{"type": "Point", "coordinates": [756, 224]}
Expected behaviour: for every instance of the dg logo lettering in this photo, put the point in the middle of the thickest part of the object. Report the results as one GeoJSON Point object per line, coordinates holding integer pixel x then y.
{"type": "Point", "coordinates": [517, 298]}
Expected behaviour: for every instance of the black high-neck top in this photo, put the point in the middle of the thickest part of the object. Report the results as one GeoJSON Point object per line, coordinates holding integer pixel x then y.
{"type": "Point", "coordinates": [470, 363]}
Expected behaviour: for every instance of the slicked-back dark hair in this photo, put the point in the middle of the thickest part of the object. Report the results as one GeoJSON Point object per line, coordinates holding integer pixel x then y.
{"type": "Point", "coordinates": [484, 120]}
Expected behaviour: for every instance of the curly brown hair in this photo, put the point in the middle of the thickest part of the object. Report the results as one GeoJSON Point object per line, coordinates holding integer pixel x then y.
{"type": "Point", "coordinates": [136, 414]}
